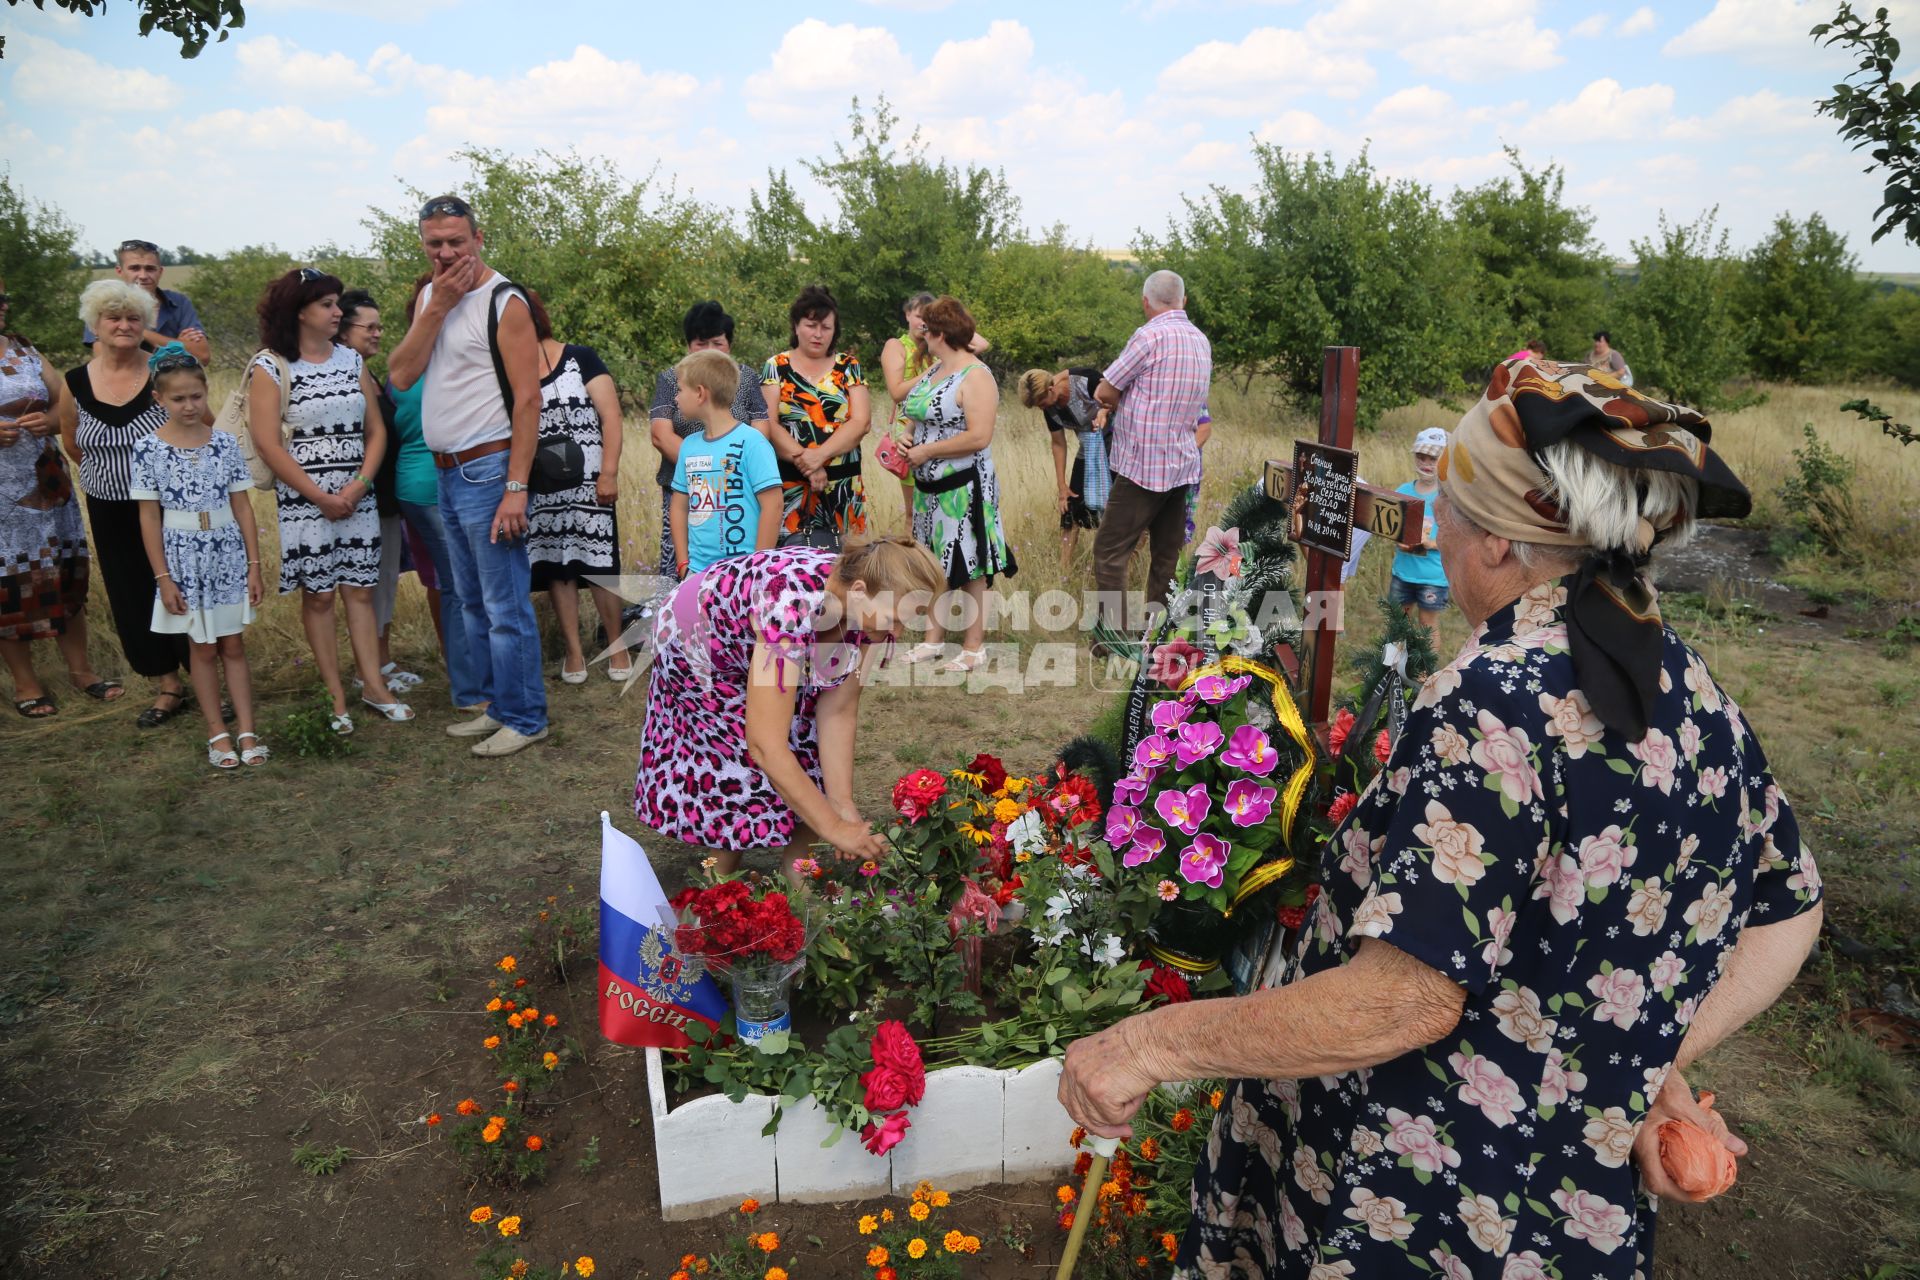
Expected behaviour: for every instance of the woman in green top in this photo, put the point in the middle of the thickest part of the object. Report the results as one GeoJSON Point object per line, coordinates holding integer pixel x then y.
{"type": "Point", "coordinates": [417, 481]}
{"type": "Point", "coordinates": [902, 361]}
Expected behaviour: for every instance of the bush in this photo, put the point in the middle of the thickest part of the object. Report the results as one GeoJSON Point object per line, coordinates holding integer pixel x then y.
{"type": "Point", "coordinates": [37, 263]}
{"type": "Point", "coordinates": [1540, 273]}
{"type": "Point", "coordinates": [1677, 325]}
{"type": "Point", "coordinates": [1818, 497]}
{"type": "Point", "coordinates": [1801, 303]}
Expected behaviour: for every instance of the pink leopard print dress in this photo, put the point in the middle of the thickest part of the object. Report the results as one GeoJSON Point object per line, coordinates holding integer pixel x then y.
{"type": "Point", "coordinates": [697, 783]}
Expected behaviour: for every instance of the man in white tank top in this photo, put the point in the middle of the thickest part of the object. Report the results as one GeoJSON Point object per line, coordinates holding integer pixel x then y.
{"type": "Point", "coordinates": [483, 438]}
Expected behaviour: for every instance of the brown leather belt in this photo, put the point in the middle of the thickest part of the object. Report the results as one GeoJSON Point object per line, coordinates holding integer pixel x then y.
{"type": "Point", "coordinates": [448, 461]}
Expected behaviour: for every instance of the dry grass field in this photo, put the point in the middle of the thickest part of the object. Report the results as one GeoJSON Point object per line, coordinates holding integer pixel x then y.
{"type": "Point", "coordinates": [209, 974]}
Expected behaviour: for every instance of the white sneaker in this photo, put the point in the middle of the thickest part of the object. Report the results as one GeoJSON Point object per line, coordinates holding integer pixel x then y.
{"type": "Point", "coordinates": [479, 727]}
{"type": "Point", "coordinates": [507, 741]}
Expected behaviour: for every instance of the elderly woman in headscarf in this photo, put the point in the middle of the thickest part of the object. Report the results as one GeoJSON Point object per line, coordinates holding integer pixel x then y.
{"type": "Point", "coordinates": [1573, 877]}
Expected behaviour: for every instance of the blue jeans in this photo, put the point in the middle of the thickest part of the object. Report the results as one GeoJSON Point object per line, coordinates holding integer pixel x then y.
{"type": "Point", "coordinates": [1432, 597]}
{"type": "Point", "coordinates": [462, 673]}
{"type": "Point", "coordinates": [493, 581]}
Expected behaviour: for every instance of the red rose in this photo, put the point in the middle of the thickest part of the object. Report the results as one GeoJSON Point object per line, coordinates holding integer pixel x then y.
{"type": "Point", "coordinates": [1338, 730]}
{"type": "Point", "coordinates": [915, 795]}
{"type": "Point", "coordinates": [1171, 663]}
{"type": "Point", "coordinates": [993, 774]}
{"type": "Point", "coordinates": [1342, 806]}
{"type": "Point", "coordinates": [886, 1090]}
{"type": "Point", "coordinates": [885, 1136]}
{"type": "Point", "coordinates": [1382, 747]}
{"type": "Point", "coordinates": [1166, 984]}
{"type": "Point", "coordinates": [893, 1048]}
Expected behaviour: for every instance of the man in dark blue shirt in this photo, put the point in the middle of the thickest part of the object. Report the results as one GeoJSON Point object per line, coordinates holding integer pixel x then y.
{"type": "Point", "coordinates": [138, 263]}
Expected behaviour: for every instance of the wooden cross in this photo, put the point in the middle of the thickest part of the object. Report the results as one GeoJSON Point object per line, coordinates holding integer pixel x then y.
{"type": "Point", "coordinates": [1395, 516]}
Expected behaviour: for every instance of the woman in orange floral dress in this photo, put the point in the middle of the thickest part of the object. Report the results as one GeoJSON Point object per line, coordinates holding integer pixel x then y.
{"type": "Point", "coordinates": [819, 402]}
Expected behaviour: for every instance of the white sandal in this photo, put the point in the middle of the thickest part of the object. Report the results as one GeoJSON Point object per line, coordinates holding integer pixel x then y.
{"type": "Point", "coordinates": [620, 675]}
{"type": "Point", "coordinates": [341, 723]}
{"type": "Point", "coordinates": [923, 652]}
{"type": "Point", "coordinates": [255, 754]}
{"type": "Point", "coordinates": [398, 712]}
{"type": "Point", "coordinates": [221, 759]}
{"type": "Point", "coordinates": [573, 677]}
{"type": "Point", "coordinates": [969, 660]}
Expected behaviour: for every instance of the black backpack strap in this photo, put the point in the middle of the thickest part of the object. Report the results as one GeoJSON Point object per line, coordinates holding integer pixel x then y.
{"type": "Point", "coordinates": [493, 342]}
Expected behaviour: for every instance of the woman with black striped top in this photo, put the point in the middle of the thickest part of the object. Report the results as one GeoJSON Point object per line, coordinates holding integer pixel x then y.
{"type": "Point", "coordinates": [110, 410]}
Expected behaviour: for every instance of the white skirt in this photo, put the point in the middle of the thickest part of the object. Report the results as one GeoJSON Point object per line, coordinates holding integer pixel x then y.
{"type": "Point", "coordinates": [202, 626]}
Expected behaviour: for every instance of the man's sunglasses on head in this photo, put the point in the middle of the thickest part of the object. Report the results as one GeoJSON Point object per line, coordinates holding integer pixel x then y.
{"type": "Point", "coordinates": [138, 246]}
{"type": "Point", "coordinates": [445, 207]}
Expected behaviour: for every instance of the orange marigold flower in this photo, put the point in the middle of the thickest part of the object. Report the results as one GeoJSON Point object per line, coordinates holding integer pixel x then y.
{"type": "Point", "coordinates": [529, 1013]}
{"type": "Point", "coordinates": [583, 1266]}
{"type": "Point", "coordinates": [941, 1200]}
{"type": "Point", "coordinates": [1182, 1121]}
{"type": "Point", "coordinates": [1079, 1136]}
{"type": "Point", "coordinates": [490, 1134]}
{"type": "Point", "coordinates": [1066, 1220]}
{"type": "Point", "coordinates": [886, 1215]}
{"type": "Point", "coordinates": [508, 1005]}
{"type": "Point", "coordinates": [922, 1189]}
{"type": "Point", "coordinates": [467, 1107]}
{"type": "Point", "coordinates": [868, 1224]}
{"type": "Point", "coordinates": [482, 1215]}
{"type": "Point", "coordinates": [549, 1060]}
{"type": "Point", "coordinates": [511, 1086]}
{"type": "Point", "coordinates": [515, 1021]}
{"type": "Point", "coordinates": [510, 1225]}
{"type": "Point", "coordinates": [767, 1242]}
{"type": "Point", "coordinates": [918, 1211]}
{"type": "Point", "coordinates": [519, 1268]}
{"type": "Point", "coordinates": [533, 1142]}
{"type": "Point", "coordinates": [1083, 1163]}
{"type": "Point", "coordinates": [1216, 1098]}
{"type": "Point", "coordinates": [916, 1248]}
{"type": "Point", "coordinates": [886, 1273]}
{"type": "Point", "coordinates": [970, 1245]}
{"type": "Point", "coordinates": [953, 1241]}
{"type": "Point", "coordinates": [433, 1119]}
{"type": "Point", "coordinates": [1136, 1203]}
{"type": "Point", "coordinates": [519, 982]}
{"type": "Point", "coordinates": [551, 1020]}
{"type": "Point", "coordinates": [776, 1273]}
{"type": "Point", "coordinates": [1065, 1195]}
{"type": "Point", "coordinates": [1170, 1242]}
{"type": "Point", "coordinates": [491, 1042]}
{"type": "Point", "coordinates": [1150, 1149]}
{"type": "Point", "coordinates": [507, 964]}
{"type": "Point", "coordinates": [877, 1256]}
{"type": "Point", "coordinates": [749, 1205]}
{"type": "Point", "coordinates": [701, 1267]}
{"type": "Point", "coordinates": [686, 1260]}
{"type": "Point", "coordinates": [493, 1005]}
{"type": "Point", "coordinates": [680, 1275]}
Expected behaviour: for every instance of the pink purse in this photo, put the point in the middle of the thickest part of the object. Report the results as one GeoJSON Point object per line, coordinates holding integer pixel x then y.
{"type": "Point", "coordinates": [891, 456]}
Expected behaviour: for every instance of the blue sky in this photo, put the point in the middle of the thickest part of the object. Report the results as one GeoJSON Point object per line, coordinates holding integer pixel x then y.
{"type": "Point", "coordinates": [1102, 115]}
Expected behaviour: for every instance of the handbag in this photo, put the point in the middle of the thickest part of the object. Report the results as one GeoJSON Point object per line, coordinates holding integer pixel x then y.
{"type": "Point", "coordinates": [821, 536]}
{"type": "Point", "coordinates": [233, 418]}
{"type": "Point", "coordinates": [559, 464]}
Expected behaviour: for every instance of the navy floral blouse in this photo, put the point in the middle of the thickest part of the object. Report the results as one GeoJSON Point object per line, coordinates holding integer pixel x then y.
{"type": "Point", "coordinates": [1585, 892]}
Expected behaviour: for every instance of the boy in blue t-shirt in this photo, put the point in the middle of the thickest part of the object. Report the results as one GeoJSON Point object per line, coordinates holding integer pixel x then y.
{"type": "Point", "coordinates": [1419, 581]}
{"type": "Point", "coordinates": [726, 484]}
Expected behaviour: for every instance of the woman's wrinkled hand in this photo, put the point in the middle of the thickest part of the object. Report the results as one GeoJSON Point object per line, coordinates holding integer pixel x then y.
{"type": "Point", "coordinates": [855, 841]}
{"type": "Point", "coordinates": [1103, 1080]}
{"type": "Point", "coordinates": [1675, 1102]}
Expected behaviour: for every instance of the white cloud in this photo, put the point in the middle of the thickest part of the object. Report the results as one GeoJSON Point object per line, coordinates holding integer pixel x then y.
{"type": "Point", "coordinates": [1764, 114]}
{"type": "Point", "coordinates": [277, 130]}
{"type": "Point", "coordinates": [964, 75]}
{"type": "Point", "coordinates": [1639, 22]}
{"type": "Point", "coordinates": [1589, 27]}
{"type": "Point", "coordinates": [911, 6]}
{"type": "Point", "coordinates": [1417, 118]}
{"type": "Point", "coordinates": [816, 67]}
{"type": "Point", "coordinates": [384, 10]}
{"type": "Point", "coordinates": [553, 103]}
{"type": "Point", "coordinates": [1769, 28]}
{"type": "Point", "coordinates": [267, 63]}
{"type": "Point", "coordinates": [52, 75]}
{"type": "Point", "coordinates": [1299, 131]}
{"type": "Point", "coordinates": [1466, 40]}
{"type": "Point", "coordinates": [1208, 159]}
{"type": "Point", "coordinates": [1484, 53]}
{"type": "Point", "coordinates": [1605, 109]}
{"type": "Point", "coordinates": [1269, 66]}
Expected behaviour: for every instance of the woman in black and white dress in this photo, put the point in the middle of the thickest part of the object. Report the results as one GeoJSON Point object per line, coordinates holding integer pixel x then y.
{"type": "Point", "coordinates": [109, 410]}
{"type": "Point", "coordinates": [323, 459]}
{"type": "Point", "coordinates": [575, 533]}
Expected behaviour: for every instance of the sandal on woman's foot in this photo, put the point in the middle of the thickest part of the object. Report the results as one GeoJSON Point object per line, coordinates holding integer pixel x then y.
{"type": "Point", "coordinates": [620, 675]}
{"type": "Point", "coordinates": [341, 723]}
{"type": "Point", "coordinates": [99, 690]}
{"type": "Point", "coordinates": [36, 708]}
{"type": "Point", "coordinates": [969, 660]}
{"type": "Point", "coordinates": [255, 754]}
{"type": "Point", "coordinates": [925, 651]}
{"type": "Point", "coordinates": [395, 711]}
{"type": "Point", "coordinates": [573, 677]}
{"type": "Point", "coordinates": [221, 759]}
{"type": "Point", "coordinates": [156, 715]}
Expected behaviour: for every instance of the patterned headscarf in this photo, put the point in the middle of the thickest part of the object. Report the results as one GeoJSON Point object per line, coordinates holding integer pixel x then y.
{"type": "Point", "coordinates": [1491, 472]}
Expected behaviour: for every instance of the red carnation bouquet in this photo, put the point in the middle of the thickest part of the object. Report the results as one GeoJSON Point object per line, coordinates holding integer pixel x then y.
{"type": "Point", "coordinates": [727, 926]}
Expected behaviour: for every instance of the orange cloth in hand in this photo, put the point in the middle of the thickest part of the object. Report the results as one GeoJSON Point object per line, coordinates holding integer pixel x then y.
{"type": "Point", "coordinates": [1697, 1159]}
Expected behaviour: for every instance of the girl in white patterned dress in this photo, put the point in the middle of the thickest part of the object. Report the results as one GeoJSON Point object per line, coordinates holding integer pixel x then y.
{"type": "Point", "coordinates": [323, 460]}
{"type": "Point", "coordinates": [196, 521]}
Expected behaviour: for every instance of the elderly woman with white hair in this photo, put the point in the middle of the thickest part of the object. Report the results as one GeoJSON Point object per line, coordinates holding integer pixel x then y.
{"type": "Point", "coordinates": [1573, 877]}
{"type": "Point", "coordinates": [109, 410]}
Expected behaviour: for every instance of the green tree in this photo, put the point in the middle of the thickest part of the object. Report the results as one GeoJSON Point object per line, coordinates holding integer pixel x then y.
{"type": "Point", "coordinates": [1801, 302]}
{"type": "Point", "coordinates": [37, 263]}
{"type": "Point", "coordinates": [226, 292]}
{"type": "Point", "coordinates": [1890, 336]}
{"type": "Point", "coordinates": [616, 262]}
{"type": "Point", "coordinates": [1538, 271]}
{"type": "Point", "coordinates": [1877, 109]}
{"type": "Point", "coordinates": [192, 22]}
{"type": "Point", "coordinates": [1048, 303]}
{"type": "Point", "coordinates": [1677, 324]}
{"type": "Point", "coordinates": [1321, 256]}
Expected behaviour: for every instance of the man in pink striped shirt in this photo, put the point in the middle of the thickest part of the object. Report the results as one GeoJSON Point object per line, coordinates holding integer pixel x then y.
{"type": "Point", "coordinates": [1159, 388]}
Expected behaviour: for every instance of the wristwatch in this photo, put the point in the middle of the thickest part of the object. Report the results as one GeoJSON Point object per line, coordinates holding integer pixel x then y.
{"type": "Point", "coordinates": [514, 486]}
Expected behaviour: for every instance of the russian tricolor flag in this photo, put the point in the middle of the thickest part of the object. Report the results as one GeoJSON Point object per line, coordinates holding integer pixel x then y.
{"type": "Point", "coordinates": [647, 991]}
